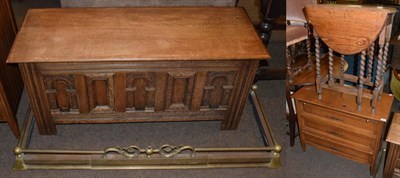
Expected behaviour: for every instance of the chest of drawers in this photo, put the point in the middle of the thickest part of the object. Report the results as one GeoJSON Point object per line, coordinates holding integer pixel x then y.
{"type": "Point", "coordinates": [333, 124]}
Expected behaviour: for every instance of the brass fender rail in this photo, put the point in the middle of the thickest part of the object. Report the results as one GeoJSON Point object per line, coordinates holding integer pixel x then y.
{"type": "Point", "coordinates": [165, 157]}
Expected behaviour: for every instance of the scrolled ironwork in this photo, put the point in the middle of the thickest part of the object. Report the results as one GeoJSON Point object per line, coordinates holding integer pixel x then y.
{"type": "Point", "coordinates": [170, 151]}
{"type": "Point", "coordinates": [127, 152]}
{"type": "Point", "coordinates": [166, 151]}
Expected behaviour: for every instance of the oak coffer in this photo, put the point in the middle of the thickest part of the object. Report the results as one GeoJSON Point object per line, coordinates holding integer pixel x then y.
{"type": "Point", "coordinates": [107, 65]}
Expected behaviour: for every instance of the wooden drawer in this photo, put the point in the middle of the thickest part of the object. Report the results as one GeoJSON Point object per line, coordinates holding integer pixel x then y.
{"type": "Point", "coordinates": [362, 125]}
{"type": "Point", "coordinates": [334, 147]}
{"type": "Point", "coordinates": [314, 123]}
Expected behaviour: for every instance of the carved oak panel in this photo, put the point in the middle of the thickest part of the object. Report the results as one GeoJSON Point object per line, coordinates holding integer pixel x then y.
{"type": "Point", "coordinates": [61, 93]}
{"type": "Point", "coordinates": [100, 91]}
{"type": "Point", "coordinates": [140, 91]}
{"type": "Point", "coordinates": [179, 90]}
{"type": "Point", "coordinates": [217, 90]}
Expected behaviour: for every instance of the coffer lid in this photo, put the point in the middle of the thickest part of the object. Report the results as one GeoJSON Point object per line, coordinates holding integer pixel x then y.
{"type": "Point", "coordinates": [136, 34]}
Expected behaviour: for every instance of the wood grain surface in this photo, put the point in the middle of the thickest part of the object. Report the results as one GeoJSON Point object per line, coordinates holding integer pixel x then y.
{"type": "Point", "coordinates": [344, 28]}
{"type": "Point", "coordinates": [131, 3]}
{"type": "Point", "coordinates": [136, 34]}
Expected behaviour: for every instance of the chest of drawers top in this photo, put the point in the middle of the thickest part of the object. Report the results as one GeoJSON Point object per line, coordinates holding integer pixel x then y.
{"type": "Point", "coordinates": [346, 103]}
{"type": "Point", "coordinates": [136, 34]}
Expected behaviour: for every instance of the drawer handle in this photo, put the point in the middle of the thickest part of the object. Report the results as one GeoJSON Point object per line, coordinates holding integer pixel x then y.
{"type": "Point", "coordinates": [334, 133]}
{"type": "Point", "coordinates": [336, 119]}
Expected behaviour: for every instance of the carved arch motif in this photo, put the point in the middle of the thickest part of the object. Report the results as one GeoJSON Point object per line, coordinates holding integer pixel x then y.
{"type": "Point", "coordinates": [61, 93]}
{"type": "Point", "coordinates": [217, 90]}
